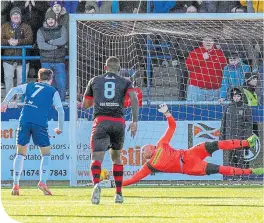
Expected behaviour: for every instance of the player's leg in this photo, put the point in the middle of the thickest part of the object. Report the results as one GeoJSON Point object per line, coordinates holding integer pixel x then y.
{"type": "Point", "coordinates": [195, 167]}
{"type": "Point", "coordinates": [44, 170]}
{"type": "Point", "coordinates": [18, 165]}
{"type": "Point", "coordinates": [41, 139]}
{"type": "Point", "coordinates": [118, 171]}
{"type": "Point", "coordinates": [238, 144]}
{"type": "Point", "coordinates": [231, 171]}
{"type": "Point", "coordinates": [200, 151]}
{"type": "Point", "coordinates": [203, 168]}
{"type": "Point", "coordinates": [23, 137]}
{"type": "Point", "coordinates": [117, 136]}
{"type": "Point", "coordinates": [206, 149]}
{"type": "Point", "coordinates": [99, 143]}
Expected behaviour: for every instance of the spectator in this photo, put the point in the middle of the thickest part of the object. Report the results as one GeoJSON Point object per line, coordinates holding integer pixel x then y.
{"type": "Point", "coordinates": [233, 75]}
{"type": "Point", "coordinates": [15, 33]}
{"type": "Point", "coordinates": [221, 7]}
{"type": "Point", "coordinates": [51, 39]}
{"type": "Point", "coordinates": [205, 65]}
{"type": "Point", "coordinates": [258, 5]}
{"type": "Point", "coordinates": [61, 15]}
{"type": "Point", "coordinates": [251, 98]}
{"type": "Point", "coordinates": [236, 124]}
{"type": "Point", "coordinates": [186, 7]}
{"type": "Point", "coordinates": [33, 13]}
{"type": "Point", "coordinates": [133, 6]}
{"type": "Point", "coordinates": [98, 7]}
{"type": "Point", "coordinates": [162, 6]}
{"type": "Point", "coordinates": [71, 6]}
{"type": "Point", "coordinates": [250, 85]}
{"type": "Point", "coordinates": [259, 69]}
{"type": "Point", "coordinates": [261, 77]}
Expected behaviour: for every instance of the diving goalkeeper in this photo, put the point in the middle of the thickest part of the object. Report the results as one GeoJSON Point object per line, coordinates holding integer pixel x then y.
{"type": "Point", "coordinates": [163, 158]}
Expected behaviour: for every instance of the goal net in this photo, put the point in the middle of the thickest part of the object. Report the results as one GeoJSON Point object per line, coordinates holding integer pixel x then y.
{"type": "Point", "coordinates": [165, 57]}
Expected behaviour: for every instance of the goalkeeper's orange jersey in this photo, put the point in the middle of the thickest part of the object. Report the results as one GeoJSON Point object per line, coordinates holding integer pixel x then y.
{"type": "Point", "coordinates": [165, 159]}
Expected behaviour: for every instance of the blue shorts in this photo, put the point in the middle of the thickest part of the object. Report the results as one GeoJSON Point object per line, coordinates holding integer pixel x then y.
{"type": "Point", "coordinates": [39, 134]}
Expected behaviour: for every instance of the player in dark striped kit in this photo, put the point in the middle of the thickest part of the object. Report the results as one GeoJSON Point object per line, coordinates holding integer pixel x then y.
{"type": "Point", "coordinates": [107, 94]}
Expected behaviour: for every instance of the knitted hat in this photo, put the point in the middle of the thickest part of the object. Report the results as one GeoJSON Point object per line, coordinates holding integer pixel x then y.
{"type": "Point", "coordinates": [235, 91]}
{"type": "Point", "coordinates": [250, 75]}
{"type": "Point", "coordinates": [15, 10]}
{"type": "Point", "coordinates": [233, 55]}
{"type": "Point", "coordinates": [50, 14]}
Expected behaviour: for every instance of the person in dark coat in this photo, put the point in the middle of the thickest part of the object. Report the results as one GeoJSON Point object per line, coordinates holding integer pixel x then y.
{"type": "Point", "coordinates": [237, 124]}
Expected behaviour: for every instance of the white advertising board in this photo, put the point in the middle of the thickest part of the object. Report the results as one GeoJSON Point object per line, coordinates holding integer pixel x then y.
{"type": "Point", "coordinates": [187, 134]}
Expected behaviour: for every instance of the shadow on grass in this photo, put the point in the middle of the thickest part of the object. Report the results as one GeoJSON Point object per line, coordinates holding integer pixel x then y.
{"type": "Point", "coordinates": [91, 216]}
{"type": "Point", "coordinates": [204, 197]}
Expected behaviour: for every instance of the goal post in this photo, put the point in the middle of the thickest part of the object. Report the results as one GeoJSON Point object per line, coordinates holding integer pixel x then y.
{"type": "Point", "coordinates": [154, 47]}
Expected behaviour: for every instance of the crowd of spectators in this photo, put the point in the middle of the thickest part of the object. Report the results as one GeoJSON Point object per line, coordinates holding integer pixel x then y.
{"type": "Point", "coordinates": [45, 25]}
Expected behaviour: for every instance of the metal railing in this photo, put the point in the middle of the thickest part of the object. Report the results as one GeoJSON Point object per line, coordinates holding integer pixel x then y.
{"type": "Point", "coordinates": [23, 57]}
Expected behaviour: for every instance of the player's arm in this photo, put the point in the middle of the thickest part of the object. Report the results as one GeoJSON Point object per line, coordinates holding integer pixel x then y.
{"type": "Point", "coordinates": [21, 89]}
{"type": "Point", "coordinates": [134, 105]}
{"type": "Point", "coordinates": [58, 106]}
{"type": "Point", "coordinates": [88, 96]}
{"type": "Point", "coordinates": [142, 173]}
{"type": "Point", "coordinates": [166, 138]}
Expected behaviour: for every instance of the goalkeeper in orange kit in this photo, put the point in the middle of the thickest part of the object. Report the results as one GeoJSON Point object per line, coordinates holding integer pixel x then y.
{"type": "Point", "coordinates": [163, 158]}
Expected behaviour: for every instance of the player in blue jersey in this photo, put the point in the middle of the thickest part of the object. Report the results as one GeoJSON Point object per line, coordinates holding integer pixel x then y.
{"type": "Point", "coordinates": [40, 97]}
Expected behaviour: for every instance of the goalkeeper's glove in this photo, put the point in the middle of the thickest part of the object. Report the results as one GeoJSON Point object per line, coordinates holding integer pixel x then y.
{"type": "Point", "coordinates": [163, 108]}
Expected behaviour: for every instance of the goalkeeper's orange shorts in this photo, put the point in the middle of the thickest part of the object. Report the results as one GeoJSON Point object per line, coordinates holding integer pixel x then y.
{"type": "Point", "coordinates": [193, 160]}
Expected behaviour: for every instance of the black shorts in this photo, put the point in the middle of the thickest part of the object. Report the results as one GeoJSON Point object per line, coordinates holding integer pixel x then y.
{"type": "Point", "coordinates": [107, 134]}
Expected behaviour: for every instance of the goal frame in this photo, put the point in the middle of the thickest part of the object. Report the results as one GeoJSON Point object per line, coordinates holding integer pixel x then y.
{"type": "Point", "coordinates": [122, 17]}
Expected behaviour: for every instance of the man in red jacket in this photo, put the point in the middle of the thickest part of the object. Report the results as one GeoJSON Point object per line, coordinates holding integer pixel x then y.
{"type": "Point", "coordinates": [163, 158]}
{"type": "Point", "coordinates": [205, 65]}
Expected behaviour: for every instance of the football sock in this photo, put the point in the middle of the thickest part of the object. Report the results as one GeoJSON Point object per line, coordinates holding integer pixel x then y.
{"type": "Point", "coordinates": [95, 171]}
{"type": "Point", "coordinates": [232, 171]}
{"type": "Point", "coordinates": [18, 165]}
{"type": "Point", "coordinates": [44, 168]}
{"type": "Point", "coordinates": [118, 177]}
{"type": "Point", "coordinates": [232, 144]}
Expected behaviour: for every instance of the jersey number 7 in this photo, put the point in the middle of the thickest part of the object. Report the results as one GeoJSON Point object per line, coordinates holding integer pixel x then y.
{"type": "Point", "coordinates": [37, 91]}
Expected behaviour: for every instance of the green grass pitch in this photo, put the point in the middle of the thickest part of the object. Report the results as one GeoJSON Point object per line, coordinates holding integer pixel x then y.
{"type": "Point", "coordinates": [160, 204]}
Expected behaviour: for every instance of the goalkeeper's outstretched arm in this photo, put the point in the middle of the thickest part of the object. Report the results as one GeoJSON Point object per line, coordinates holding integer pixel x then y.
{"type": "Point", "coordinates": [166, 138]}
{"type": "Point", "coordinates": [143, 172]}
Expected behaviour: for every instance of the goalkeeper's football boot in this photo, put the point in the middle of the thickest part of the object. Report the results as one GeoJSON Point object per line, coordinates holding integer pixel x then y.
{"type": "Point", "coordinates": [44, 188]}
{"type": "Point", "coordinates": [95, 199]}
{"type": "Point", "coordinates": [15, 190]}
{"type": "Point", "coordinates": [258, 171]}
{"type": "Point", "coordinates": [252, 140]}
{"type": "Point", "coordinates": [119, 198]}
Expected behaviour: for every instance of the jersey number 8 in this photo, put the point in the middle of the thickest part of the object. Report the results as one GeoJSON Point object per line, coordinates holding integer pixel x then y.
{"type": "Point", "coordinates": [109, 90]}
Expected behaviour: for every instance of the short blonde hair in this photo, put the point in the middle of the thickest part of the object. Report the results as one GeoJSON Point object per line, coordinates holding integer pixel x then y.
{"type": "Point", "coordinates": [45, 74]}
{"type": "Point", "coordinates": [113, 64]}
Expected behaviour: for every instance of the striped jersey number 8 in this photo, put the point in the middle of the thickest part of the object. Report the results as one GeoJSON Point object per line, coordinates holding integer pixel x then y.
{"type": "Point", "coordinates": [109, 90]}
